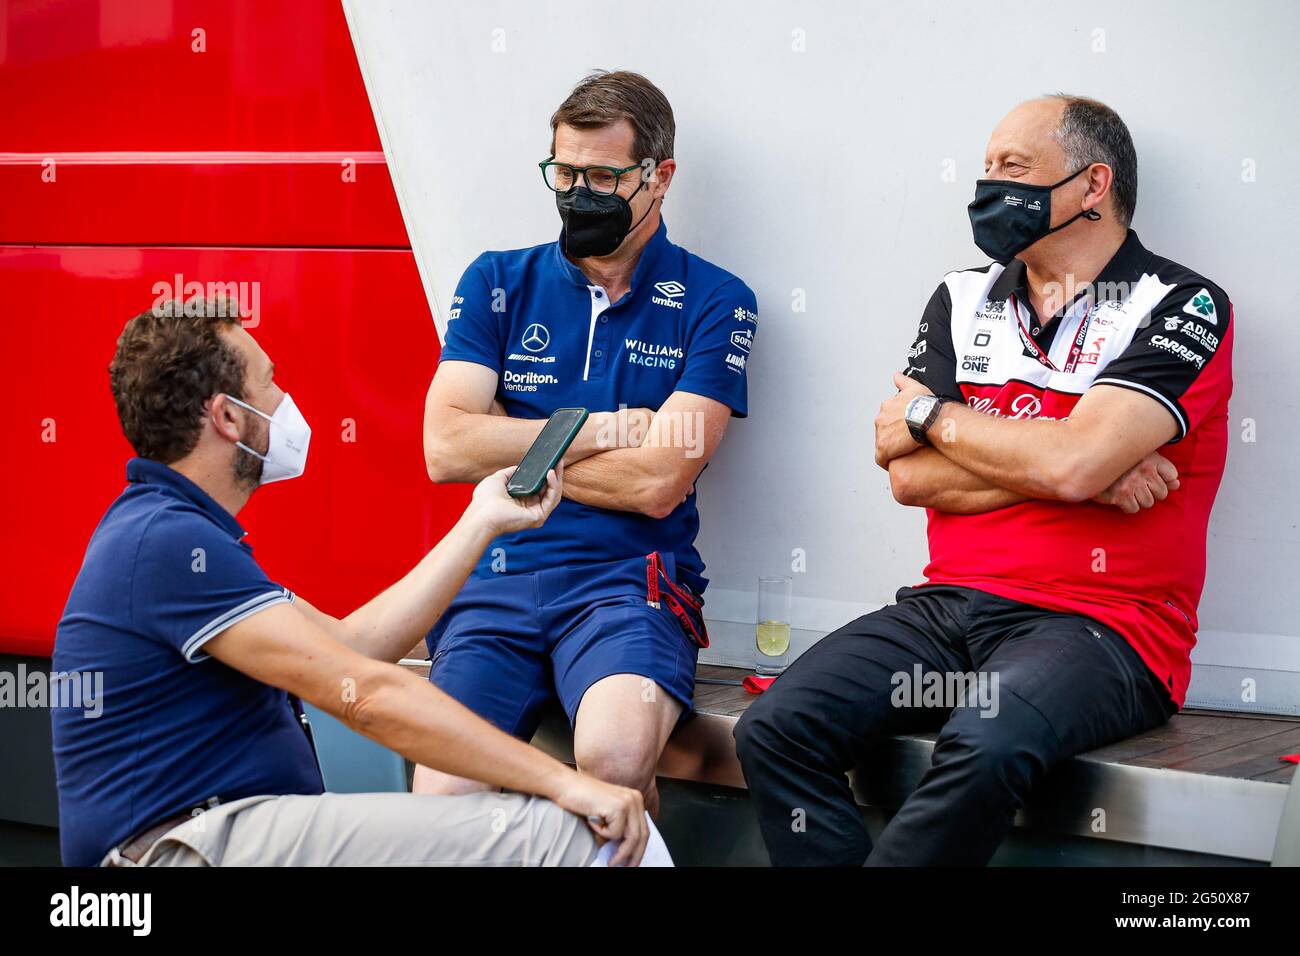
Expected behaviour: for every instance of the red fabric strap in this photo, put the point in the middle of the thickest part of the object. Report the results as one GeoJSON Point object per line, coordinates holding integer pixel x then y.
{"type": "Point", "coordinates": [675, 597]}
{"type": "Point", "coordinates": [755, 684]}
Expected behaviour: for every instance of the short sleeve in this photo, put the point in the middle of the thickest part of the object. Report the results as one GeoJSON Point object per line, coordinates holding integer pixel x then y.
{"type": "Point", "coordinates": [473, 321]}
{"type": "Point", "coordinates": [1183, 357]}
{"type": "Point", "coordinates": [718, 348]}
{"type": "Point", "coordinates": [930, 360]}
{"type": "Point", "coordinates": [192, 580]}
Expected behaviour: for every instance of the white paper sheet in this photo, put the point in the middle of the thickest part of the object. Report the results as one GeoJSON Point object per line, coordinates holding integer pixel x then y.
{"type": "Point", "coordinates": [656, 851]}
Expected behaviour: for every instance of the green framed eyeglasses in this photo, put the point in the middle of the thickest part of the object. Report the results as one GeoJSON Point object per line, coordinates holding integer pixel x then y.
{"type": "Point", "coordinates": [563, 178]}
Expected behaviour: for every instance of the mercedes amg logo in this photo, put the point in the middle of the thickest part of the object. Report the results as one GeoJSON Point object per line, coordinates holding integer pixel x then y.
{"type": "Point", "coordinates": [536, 337]}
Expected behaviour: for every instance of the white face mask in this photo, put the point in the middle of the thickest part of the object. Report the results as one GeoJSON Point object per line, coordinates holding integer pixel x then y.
{"type": "Point", "coordinates": [286, 451]}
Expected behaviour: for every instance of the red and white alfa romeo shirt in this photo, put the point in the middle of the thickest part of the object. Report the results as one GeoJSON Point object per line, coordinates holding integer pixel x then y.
{"type": "Point", "coordinates": [1146, 324]}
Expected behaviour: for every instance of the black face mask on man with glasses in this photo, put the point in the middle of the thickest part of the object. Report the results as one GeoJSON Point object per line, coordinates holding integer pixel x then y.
{"type": "Point", "coordinates": [595, 224]}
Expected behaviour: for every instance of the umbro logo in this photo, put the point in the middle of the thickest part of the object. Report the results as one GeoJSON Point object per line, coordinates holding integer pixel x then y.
{"type": "Point", "coordinates": [536, 337]}
{"type": "Point", "coordinates": [670, 294]}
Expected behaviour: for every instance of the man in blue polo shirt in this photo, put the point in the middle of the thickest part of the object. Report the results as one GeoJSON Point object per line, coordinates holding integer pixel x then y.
{"type": "Point", "coordinates": [197, 754]}
{"type": "Point", "coordinates": [600, 608]}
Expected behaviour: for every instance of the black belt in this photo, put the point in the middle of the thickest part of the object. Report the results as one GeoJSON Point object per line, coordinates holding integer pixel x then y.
{"type": "Point", "coordinates": [135, 848]}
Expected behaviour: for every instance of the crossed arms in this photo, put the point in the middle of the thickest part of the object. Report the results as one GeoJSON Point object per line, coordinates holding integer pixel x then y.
{"type": "Point", "coordinates": [628, 460]}
{"type": "Point", "coordinates": [1104, 452]}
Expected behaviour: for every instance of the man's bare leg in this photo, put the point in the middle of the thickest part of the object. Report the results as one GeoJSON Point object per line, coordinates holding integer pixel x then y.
{"type": "Point", "coordinates": [437, 783]}
{"type": "Point", "coordinates": [622, 725]}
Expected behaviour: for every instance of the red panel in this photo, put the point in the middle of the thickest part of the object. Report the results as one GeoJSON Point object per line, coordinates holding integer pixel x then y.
{"type": "Point", "coordinates": [154, 143]}
{"type": "Point", "coordinates": [246, 204]}
{"type": "Point", "coordinates": [123, 75]}
{"type": "Point", "coordinates": [352, 340]}
{"type": "Point", "coordinates": [349, 328]}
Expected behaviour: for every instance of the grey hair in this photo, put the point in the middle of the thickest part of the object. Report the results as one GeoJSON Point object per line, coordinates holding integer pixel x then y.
{"type": "Point", "coordinates": [1092, 132]}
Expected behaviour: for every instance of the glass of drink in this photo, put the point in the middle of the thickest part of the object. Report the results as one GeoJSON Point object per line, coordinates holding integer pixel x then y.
{"type": "Point", "coordinates": [773, 625]}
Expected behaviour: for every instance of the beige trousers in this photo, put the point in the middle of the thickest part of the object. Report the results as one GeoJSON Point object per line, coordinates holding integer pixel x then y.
{"type": "Point", "coordinates": [379, 829]}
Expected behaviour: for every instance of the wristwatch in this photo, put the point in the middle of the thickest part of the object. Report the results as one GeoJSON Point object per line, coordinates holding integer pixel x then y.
{"type": "Point", "coordinates": [922, 412]}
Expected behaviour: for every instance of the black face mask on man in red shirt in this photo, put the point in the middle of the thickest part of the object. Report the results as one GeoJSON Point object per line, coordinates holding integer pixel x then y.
{"type": "Point", "coordinates": [1007, 216]}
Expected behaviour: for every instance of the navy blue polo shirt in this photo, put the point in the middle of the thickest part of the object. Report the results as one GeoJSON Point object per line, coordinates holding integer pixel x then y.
{"type": "Point", "coordinates": [166, 571]}
{"type": "Point", "coordinates": [555, 340]}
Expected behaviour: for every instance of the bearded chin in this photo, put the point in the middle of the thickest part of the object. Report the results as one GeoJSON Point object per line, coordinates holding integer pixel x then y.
{"type": "Point", "coordinates": [248, 469]}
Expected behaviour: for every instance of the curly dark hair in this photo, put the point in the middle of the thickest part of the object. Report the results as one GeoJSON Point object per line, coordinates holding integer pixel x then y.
{"type": "Point", "coordinates": [169, 361]}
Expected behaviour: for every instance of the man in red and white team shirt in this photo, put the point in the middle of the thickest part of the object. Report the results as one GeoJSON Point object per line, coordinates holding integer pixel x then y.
{"type": "Point", "coordinates": [1063, 419]}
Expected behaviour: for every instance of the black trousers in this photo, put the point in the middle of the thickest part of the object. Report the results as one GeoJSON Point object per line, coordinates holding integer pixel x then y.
{"type": "Point", "coordinates": [1013, 690]}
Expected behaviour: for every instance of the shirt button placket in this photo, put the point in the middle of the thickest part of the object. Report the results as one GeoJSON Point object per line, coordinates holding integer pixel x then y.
{"type": "Point", "coordinates": [598, 342]}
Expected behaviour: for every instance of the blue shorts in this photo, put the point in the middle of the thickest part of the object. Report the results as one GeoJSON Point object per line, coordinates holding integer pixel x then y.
{"type": "Point", "coordinates": [510, 644]}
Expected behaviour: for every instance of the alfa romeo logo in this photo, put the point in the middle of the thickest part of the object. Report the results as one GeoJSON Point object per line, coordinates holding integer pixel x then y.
{"type": "Point", "coordinates": [536, 337]}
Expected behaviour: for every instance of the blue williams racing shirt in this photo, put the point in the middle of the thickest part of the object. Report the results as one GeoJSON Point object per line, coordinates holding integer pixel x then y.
{"type": "Point", "coordinates": [555, 341]}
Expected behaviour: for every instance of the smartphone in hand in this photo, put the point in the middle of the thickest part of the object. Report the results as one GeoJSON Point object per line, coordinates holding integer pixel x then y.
{"type": "Point", "coordinates": [547, 449]}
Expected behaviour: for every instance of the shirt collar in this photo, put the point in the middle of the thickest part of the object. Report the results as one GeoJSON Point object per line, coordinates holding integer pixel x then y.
{"type": "Point", "coordinates": [653, 256]}
{"type": "Point", "coordinates": [1011, 281]}
{"type": "Point", "coordinates": [652, 259]}
{"type": "Point", "coordinates": [1115, 280]}
{"type": "Point", "coordinates": [145, 471]}
{"type": "Point", "coordinates": [1126, 267]}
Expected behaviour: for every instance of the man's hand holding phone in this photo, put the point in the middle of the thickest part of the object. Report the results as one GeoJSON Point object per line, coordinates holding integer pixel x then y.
{"type": "Point", "coordinates": [502, 513]}
{"type": "Point", "coordinates": [523, 496]}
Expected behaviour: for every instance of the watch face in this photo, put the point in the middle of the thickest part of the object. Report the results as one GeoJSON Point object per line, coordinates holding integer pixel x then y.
{"type": "Point", "coordinates": [920, 408]}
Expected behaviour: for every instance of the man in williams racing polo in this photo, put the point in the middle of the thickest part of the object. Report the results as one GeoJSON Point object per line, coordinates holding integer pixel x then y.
{"type": "Point", "coordinates": [600, 608]}
{"type": "Point", "coordinates": [1063, 419]}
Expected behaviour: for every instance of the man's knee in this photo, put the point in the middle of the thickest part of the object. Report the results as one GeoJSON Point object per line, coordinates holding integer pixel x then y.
{"type": "Point", "coordinates": [1008, 752]}
{"type": "Point", "coordinates": [628, 763]}
{"type": "Point", "coordinates": [756, 730]}
{"type": "Point", "coordinates": [776, 724]}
